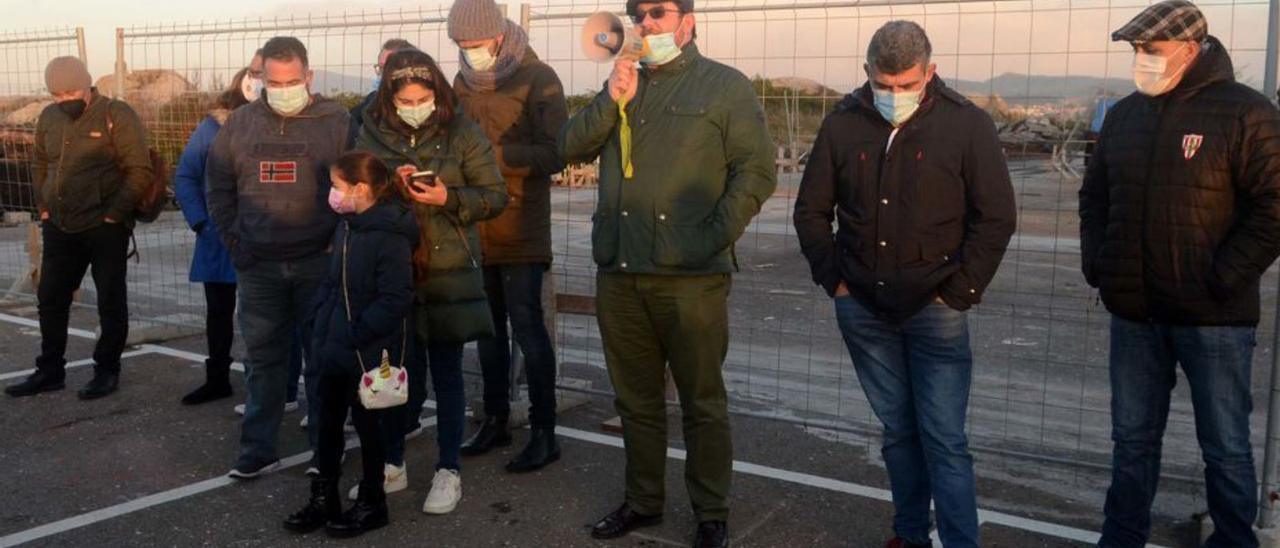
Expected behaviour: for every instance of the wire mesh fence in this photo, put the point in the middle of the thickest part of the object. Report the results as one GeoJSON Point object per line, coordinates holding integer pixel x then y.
{"type": "Point", "coordinates": [1040, 67]}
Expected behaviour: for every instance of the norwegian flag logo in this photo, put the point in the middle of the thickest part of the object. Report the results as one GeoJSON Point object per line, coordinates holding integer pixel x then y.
{"type": "Point", "coordinates": [277, 172]}
{"type": "Point", "coordinates": [1191, 145]}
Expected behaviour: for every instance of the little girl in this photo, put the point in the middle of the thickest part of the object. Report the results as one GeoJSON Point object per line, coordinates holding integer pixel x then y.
{"type": "Point", "coordinates": [361, 311]}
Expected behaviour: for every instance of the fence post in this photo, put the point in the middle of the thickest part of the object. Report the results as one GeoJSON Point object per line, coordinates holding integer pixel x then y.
{"type": "Point", "coordinates": [120, 67]}
{"type": "Point", "coordinates": [1266, 502]}
{"type": "Point", "coordinates": [1273, 50]}
{"type": "Point", "coordinates": [526, 15]}
{"type": "Point", "coordinates": [84, 54]}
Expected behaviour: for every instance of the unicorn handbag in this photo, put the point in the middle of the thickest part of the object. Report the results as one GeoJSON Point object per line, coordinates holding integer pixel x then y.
{"type": "Point", "coordinates": [386, 386]}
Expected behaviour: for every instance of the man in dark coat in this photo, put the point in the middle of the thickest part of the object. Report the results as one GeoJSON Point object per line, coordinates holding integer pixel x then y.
{"type": "Point", "coordinates": [91, 168]}
{"type": "Point", "coordinates": [916, 177]}
{"type": "Point", "coordinates": [1180, 217]}
{"type": "Point", "coordinates": [519, 103]}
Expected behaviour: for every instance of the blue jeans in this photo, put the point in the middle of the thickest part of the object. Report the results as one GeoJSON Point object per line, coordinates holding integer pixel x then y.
{"type": "Point", "coordinates": [444, 361]}
{"type": "Point", "coordinates": [1217, 362]}
{"type": "Point", "coordinates": [916, 376]}
{"type": "Point", "coordinates": [515, 293]}
{"type": "Point", "coordinates": [275, 296]}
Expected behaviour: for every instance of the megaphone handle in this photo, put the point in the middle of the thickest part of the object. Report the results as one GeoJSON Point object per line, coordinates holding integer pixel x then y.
{"type": "Point", "coordinates": [624, 139]}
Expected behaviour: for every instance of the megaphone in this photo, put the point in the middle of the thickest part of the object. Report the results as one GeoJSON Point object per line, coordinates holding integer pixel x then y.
{"type": "Point", "coordinates": [605, 37]}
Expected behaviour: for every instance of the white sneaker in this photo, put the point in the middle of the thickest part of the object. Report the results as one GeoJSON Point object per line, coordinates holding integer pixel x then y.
{"type": "Point", "coordinates": [394, 478]}
{"type": "Point", "coordinates": [446, 491]}
{"type": "Point", "coordinates": [289, 407]}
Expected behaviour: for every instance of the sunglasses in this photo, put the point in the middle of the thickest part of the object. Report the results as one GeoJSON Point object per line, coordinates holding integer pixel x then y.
{"type": "Point", "coordinates": [657, 12]}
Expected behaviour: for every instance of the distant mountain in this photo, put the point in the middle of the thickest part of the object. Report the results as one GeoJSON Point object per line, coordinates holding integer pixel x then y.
{"type": "Point", "coordinates": [1022, 89]}
{"type": "Point", "coordinates": [329, 82]}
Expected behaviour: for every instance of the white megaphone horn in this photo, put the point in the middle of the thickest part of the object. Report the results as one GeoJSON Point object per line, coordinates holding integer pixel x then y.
{"type": "Point", "coordinates": [604, 37]}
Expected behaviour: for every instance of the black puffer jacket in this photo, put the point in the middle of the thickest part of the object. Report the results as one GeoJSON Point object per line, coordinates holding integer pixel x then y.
{"type": "Point", "coordinates": [929, 217]}
{"type": "Point", "coordinates": [1180, 208]}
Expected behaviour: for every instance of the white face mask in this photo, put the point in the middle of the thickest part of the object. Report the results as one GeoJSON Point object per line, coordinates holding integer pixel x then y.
{"type": "Point", "coordinates": [1149, 72]}
{"type": "Point", "coordinates": [289, 101]}
{"type": "Point", "coordinates": [479, 58]}
{"type": "Point", "coordinates": [416, 116]}
{"type": "Point", "coordinates": [897, 108]}
{"type": "Point", "coordinates": [662, 48]}
{"type": "Point", "coordinates": [251, 88]}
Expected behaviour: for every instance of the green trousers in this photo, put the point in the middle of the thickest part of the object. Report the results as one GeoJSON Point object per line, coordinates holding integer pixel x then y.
{"type": "Point", "coordinates": [650, 323]}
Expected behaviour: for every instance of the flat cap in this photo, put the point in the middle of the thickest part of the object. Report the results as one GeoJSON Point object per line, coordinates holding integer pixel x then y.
{"type": "Point", "coordinates": [1176, 20]}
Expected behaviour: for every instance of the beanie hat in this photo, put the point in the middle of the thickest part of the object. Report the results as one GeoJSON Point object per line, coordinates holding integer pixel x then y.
{"type": "Point", "coordinates": [686, 6]}
{"type": "Point", "coordinates": [475, 20]}
{"type": "Point", "coordinates": [65, 74]}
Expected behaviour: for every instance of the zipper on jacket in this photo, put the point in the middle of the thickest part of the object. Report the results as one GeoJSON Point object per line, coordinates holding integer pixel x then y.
{"type": "Point", "coordinates": [57, 176]}
{"type": "Point", "coordinates": [1161, 107]}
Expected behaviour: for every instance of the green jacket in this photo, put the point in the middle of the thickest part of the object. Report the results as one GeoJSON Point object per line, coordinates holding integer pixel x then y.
{"type": "Point", "coordinates": [85, 172]}
{"type": "Point", "coordinates": [522, 118]}
{"type": "Point", "coordinates": [703, 165]}
{"type": "Point", "coordinates": [451, 301]}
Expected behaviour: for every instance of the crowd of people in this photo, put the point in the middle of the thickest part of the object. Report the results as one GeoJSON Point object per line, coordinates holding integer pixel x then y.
{"type": "Point", "coordinates": [400, 231]}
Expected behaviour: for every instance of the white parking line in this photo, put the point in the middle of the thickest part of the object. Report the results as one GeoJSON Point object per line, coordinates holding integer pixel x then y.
{"type": "Point", "coordinates": [90, 518]}
{"type": "Point", "coordinates": [74, 364]}
{"type": "Point", "coordinates": [28, 322]}
{"type": "Point", "coordinates": [799, 478]}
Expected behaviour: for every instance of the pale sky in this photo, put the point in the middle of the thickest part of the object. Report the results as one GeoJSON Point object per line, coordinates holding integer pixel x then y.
{"type": "Point", "coordinates": [972, 41]}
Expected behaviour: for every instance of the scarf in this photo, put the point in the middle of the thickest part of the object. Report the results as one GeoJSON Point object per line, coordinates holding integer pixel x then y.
{"type": "Point", "coordinates": [514, 44]}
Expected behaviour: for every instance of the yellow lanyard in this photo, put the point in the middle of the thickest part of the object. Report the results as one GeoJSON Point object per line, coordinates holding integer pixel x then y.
{"type": "Point", "coordinates": [624, 136]}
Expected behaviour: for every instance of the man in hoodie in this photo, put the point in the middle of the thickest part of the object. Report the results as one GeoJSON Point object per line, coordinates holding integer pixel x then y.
{"type": "Point", "coordinates": [519, 103]}
{"type": "Point", "coordinates": [268, 186]}
{"type": "Point", "coordinates": [915, 177]}
{"type": "Point", "coordinates": [1179, 219]}
{"type": "Point", "coordinates": [91, 167]}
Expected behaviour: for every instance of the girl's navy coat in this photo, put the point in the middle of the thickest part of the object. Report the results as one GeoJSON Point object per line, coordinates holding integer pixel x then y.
{"type": "Point", "coordinates": [378, 245]}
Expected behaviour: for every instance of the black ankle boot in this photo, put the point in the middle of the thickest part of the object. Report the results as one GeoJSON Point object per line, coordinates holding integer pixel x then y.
{"type": "Point", "coordinates": [493, 433]}
{"type": "Point", "coordinates": [323, 507]}
{"type": "Point", "coordinates": [368, 513]}
{"type": "Point", "coordinates": [38, 382]}
{"type": "Point", "coordinates": [543, 449]}
{"type": "Point", "coordinates": [217, 384]}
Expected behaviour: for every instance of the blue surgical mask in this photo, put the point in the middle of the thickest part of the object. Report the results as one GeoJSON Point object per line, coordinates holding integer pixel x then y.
{"type": "Point", "coordinates": [662, 49]}
{"type": "Point", "coordinates": [416, 116]}
{"type": "Point", "coordinates": [289, 101]}
{"type": "Point", "coordinates": [897, 108]}
{"type": "Point", "coordinates": [479, 58]}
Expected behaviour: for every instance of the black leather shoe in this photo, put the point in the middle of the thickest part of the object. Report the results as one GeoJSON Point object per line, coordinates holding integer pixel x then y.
{"type": "Point", "coordinates": [37, 383]}
{"type": "Point", "coordinates": [712, 534]}
{"type": "Point", "coordinates": [543, 449]}
{"type": "Point", "coordinates": [206, 393]}
{"type": "Point", "coordinates": [103, 384]}
{"type": "Point", "coordinates": [899, 542]}
{"type": "Point", "coordinates": [493, 433]}
{"type": "Point", "coordinates": [368, 513]}
{"type": "Point", "coordinates": [621, 522]}
{"type": "Point", "coordinates": [323, 506]}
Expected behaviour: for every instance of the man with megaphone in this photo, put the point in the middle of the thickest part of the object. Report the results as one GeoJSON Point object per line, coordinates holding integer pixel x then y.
{"type": "Point", "coordinates": [685, 163]}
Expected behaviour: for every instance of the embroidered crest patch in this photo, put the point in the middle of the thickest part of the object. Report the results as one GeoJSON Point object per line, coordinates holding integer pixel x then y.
{"type": "Point", "coordinates": [1191, 144]}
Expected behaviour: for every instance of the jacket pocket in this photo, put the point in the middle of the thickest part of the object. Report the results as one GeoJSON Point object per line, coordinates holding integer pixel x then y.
{"type": "Point", "coordinates": [685, 245]}
{"type": "Point", "coordinates": [604, 237]}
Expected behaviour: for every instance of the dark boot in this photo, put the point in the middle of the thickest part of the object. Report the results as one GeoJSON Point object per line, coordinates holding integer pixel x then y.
{"type": "Point", "coordinates": [103, 384]}
{"type": "Point", "coordinates": [217, 384]}
{"type": "Point", "coordinates": [323, 507]}
{"type": "Point", "coordinates": [622, 521]}
{"type": "Point", "coordinates": [40, 381]}
{"type": "Point", "coordinates": [543, 449]}
{"type": "Point", "coordinates": [368, 513]}
{"type": "Point", "coordinates": [712, 534]}
{"type": "Point", "coordinates": [493, 433]}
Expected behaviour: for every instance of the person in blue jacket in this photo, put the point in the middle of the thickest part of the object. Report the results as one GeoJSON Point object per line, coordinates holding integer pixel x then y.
{"type": "Point", "coordinates": [210, 263]}
{"type": "Point", "coordinates": [361, 315]}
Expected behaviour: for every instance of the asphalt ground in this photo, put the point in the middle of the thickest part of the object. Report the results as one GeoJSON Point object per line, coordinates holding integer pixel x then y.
{"type": "Point", "coordinates": [138, 469]}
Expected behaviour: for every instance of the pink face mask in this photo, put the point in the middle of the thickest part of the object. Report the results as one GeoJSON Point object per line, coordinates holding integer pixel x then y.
{"type": "Point", "coordinates": [340, 202]}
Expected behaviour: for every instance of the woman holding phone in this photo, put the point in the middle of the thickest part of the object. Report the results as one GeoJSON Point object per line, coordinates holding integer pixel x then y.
{"type": "Point", "coordinates": [414, 126]}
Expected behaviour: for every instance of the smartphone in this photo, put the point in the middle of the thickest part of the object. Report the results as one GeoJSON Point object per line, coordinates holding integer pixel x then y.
{"type": "Point", "coordinates": [427, 178]}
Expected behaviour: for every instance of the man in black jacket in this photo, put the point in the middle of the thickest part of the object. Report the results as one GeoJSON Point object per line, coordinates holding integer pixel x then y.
{"type": "Point", "coordinates": [1180, 217]}
{"type": "Point", "coordinates": [916, 177]}
{"type": "Point", "coordinates": [91, 168]}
